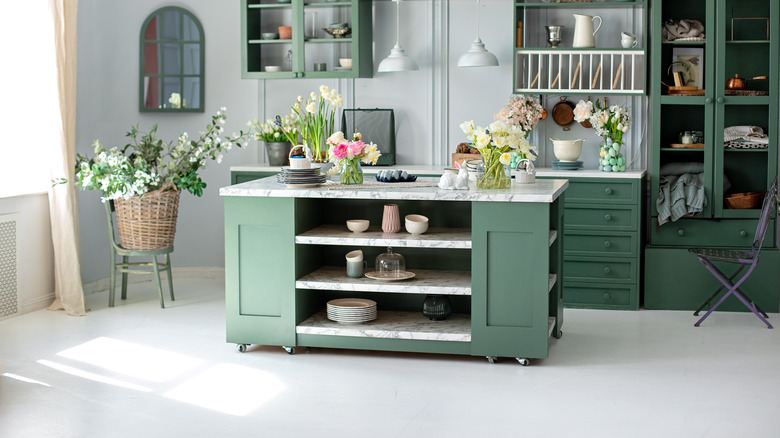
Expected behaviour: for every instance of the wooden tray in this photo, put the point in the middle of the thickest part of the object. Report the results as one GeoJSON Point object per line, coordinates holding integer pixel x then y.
{"type": "Point", "coordinates": [746, 93]}
{"type": "Point", "coordinates": [687, 146]}
{"type": "Point", "coordinates": [685, 91]}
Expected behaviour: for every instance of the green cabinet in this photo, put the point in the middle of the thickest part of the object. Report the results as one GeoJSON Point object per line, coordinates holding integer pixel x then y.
{"type": "Point", "coordinates": [265, 57]}
{"type": "Point", "coordinates": [285, 261]}
{"type": "Point", "coordinates": [603, 243]}
{"type": "Point", "coordinates": [741, 39]}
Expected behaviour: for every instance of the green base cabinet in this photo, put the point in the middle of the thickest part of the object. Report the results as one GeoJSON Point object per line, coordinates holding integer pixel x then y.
{"type": "Point", "coordinates": [602, 249]}
{"type": "Point", "coordinates": [284, 261]}
{"type": "Point", "coordinates": [675, 280]}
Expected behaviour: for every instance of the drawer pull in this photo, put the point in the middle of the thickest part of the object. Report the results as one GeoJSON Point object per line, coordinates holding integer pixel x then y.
{"type": "Point", "coordinates": [607, 217]}
{"type": "Point", "coordinates": [607, 270]}
{"type": "Point", "coordinates": [680, 232]}
{"type": "Point", "coordinates": [607, 296]}
{"type": "Point", "coordinates": [743, 233]}
{"type": "Point", "coordinates": [608, 190]}
{"type": "Point", "coordinates": [607, 244]}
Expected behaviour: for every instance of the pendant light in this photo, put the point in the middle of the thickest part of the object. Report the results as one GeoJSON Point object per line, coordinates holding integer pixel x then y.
{"type": "Point", "coordinates": [477, 56]}
{"type": "Point", "coordinates": [398, 60]}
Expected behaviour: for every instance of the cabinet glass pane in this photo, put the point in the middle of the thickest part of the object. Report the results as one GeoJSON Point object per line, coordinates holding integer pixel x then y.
{"type": "Point", "coordinates": [328, 54]}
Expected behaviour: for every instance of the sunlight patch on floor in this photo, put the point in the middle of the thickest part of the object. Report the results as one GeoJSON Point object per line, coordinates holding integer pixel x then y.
{"type": "Point", "coordinates": [92, 376]}
{"type": "Point", "coordinates": [25, 379]}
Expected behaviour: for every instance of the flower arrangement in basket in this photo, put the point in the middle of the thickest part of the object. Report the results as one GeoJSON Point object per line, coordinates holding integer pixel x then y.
{"type": "Point", "coordinates": [146, 176]}
{"type": "Point", "coordinates": [496, 144]}
{"type": "Point", "coordinates": [610, 123]}
{"type": "Point", "coordinates": [316, 119]}
{"type": "Point", "coordinates": [346, 156]}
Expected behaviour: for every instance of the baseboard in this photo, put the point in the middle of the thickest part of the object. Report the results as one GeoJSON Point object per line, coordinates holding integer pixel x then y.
{"type": "Point", "coordinates": [204, 273]}
{"type": "Point", "coordinates": [37, 303]}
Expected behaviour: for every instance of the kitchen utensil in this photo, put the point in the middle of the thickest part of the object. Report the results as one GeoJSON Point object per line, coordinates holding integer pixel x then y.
{"type": "Point", "coordinates": [628, 40]}
{"type": "Point", "coordinates": [584, 35]}
{"type": "Point", "coordinates": [567, 150]}
{"type": "Point", "coordinates": [563, 113]}
{"type": "Point", "coordinates": [738, 83]}
{"type": "Point", "coordinates": [554, 35]}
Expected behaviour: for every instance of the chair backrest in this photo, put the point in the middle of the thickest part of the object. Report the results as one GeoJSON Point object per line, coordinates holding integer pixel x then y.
{"type": "Point", "coordinates": [770, 200]}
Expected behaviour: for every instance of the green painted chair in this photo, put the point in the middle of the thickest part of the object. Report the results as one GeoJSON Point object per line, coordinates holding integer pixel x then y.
{"type": "Point", "coordinates": [127, 267]}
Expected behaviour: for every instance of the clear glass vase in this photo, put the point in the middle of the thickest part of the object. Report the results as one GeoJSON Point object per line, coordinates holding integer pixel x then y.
{"type": "Point", "coordinates": [610, 157]}
{"type": "Point", "coordinates": [352, 172]}
{"type": "Point", "coordinates": [493, 175]}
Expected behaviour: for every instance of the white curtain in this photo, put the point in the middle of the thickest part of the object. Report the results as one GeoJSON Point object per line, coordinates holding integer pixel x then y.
{"type": "Point", "coordinates": [63, 208]}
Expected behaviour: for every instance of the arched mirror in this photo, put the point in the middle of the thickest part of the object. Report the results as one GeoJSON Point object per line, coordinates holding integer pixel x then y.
{"type": "Point", "coordinates": [172, 62]}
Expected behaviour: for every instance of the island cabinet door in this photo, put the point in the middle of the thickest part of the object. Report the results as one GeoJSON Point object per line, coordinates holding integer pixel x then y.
{"type": "Point", "coordinates": [259, 274]}
{"type": "Point", "coordinates": [510, 265]}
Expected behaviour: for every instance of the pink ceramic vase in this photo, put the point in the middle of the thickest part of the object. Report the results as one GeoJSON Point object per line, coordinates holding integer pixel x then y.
{"type": "Point", "coordinates": [391, 219]}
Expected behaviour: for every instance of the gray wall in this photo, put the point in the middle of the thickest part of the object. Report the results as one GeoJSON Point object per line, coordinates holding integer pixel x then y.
{"type": "Point", "coordinates": [429, 104]}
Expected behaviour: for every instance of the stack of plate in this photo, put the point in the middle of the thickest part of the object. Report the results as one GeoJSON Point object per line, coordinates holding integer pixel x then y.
{"type": "Point", "coordinates": [566, 165]}
{"type": "Point", "coordinates": [299, 178]}
{"type": "Point", "coordinates": [351, 310]}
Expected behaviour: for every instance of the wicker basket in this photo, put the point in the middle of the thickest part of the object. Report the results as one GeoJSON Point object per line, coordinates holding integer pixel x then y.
{"type": "Point", "coordinates": [744, 200]}
{"type": "Point", "coordinates": [148, 222]}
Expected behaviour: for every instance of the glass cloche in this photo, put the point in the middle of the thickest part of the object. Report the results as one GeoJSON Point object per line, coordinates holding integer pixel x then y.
{"type": "Point", "coordinates": [390, 263]}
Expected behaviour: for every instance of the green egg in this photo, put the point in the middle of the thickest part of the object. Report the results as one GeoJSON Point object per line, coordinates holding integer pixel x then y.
{"type": "Point", "coordinates": [621, 161]}
{"type": "Point", "coordinates": [623, 168]}
{"type": "Point", "coordinates": [612, 161]}
{"type": "Point", "coordinates": [616, 168]}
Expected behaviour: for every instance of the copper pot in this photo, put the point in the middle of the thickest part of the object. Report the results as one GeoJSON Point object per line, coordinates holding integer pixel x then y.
{"type": "Point", "coordinates": [563, 113]}
{"type": "Point", "coordinates": [738, 83]}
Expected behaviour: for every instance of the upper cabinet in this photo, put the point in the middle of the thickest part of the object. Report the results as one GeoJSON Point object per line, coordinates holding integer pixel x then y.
{"type": "Point", "coordinates": [725, 95]}
{"type": "Point", "coordinates": [580, 47]}
{"type": "Point", "coordinates": [172, 60]}
{"type": "Point", "coordinates": [306, 39]}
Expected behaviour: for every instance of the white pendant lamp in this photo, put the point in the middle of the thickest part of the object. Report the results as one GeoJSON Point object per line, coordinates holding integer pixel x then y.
{"type": "Point", "coordinates": [477, 56]}
{"type": "Point", "coordinates": [398, 60]}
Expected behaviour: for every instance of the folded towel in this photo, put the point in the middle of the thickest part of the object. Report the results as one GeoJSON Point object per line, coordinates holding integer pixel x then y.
{"type": "Point", "coordinates": [680, 196]}
{"type": "Point", "coordinates": [745, 132]}
{"type": "Point", "coordinates": [686, 30]}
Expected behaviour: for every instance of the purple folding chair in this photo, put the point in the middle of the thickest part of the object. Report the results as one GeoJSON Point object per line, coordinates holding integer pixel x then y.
{"type": "Point", "coordinates": [747, 261]}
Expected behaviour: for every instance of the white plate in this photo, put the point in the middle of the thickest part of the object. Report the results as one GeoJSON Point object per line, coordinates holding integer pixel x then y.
{"type": "Point", "coordinates": [302, 186]}
{"type": "Point", "coordinates": [351, 302]}
{"type": "Point", "coordinates": [389, 276]}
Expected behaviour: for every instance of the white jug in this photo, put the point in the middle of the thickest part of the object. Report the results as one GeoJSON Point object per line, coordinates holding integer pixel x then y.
{"type": "Point", "coordinates": [584, 35]}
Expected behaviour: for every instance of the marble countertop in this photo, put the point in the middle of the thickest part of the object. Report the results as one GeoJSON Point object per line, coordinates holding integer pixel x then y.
{"type": "Point", "coordinates": [543, 191]}
{"type": "Point", "coordinates": [417, 169]}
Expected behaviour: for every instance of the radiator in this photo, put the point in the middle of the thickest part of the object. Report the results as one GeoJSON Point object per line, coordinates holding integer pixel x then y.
{"type": "Point", "coordinates": [9, 285]}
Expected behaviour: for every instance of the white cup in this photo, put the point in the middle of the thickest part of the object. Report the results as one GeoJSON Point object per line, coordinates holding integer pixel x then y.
{"type": "Point", "coordinates": [355, 256]}
{"type": "Point", "coordinates": [627, 40]}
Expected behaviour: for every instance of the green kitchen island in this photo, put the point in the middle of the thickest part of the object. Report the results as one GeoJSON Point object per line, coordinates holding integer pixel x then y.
{"type": "Point", "coordinates": [496, 254]}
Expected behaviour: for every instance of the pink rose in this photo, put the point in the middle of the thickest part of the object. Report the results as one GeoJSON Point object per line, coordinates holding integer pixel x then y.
{"type": "Point", "coordinates": [340, 151]}
{"type": "Point", "coordinates": [356, 147]}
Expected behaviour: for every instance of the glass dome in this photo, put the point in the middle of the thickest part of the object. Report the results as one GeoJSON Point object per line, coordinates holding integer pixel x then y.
{"type": "Point", "coordinates": [390, 263]}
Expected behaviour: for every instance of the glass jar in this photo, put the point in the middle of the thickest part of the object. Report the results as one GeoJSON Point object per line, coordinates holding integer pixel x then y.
{"type": "Point", "coordinates": [686, 137]}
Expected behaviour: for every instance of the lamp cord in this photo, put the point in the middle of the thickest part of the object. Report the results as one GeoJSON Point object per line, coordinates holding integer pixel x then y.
{"type": "Point", "coordinates": [477, 19]}
{"type": "Point", "coordinates": [397, 21]}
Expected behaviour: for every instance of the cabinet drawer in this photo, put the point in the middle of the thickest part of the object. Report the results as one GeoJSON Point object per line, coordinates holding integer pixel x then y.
{"type": "Point", "coordinates": [600, 297]}
{"type": "Point", "coordinates": [689, 233]}
{"type": "Point", "coordinates": [598, 244]}
{"type": "Point", "coordinates": [623, 270]}
{"type": "Point", "coordinates": [622, 192]}
{"type": "Point", "coordinates": [579, 216]}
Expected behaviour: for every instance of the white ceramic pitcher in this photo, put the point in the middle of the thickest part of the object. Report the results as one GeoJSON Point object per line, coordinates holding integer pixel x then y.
{"type": "Point", "coordinates": [584, 35]}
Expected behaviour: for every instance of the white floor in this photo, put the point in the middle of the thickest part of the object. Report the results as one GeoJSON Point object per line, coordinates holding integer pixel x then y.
{"type": "Point", "coordinates": [136, 370]}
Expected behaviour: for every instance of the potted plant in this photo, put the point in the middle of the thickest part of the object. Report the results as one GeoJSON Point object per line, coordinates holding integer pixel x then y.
{"type": "Point", "coordinates": [148, 174]}
{"type": "Point", "coordinates": [317, 120]}
{"type": "Point", "coordinates": [279, 135]}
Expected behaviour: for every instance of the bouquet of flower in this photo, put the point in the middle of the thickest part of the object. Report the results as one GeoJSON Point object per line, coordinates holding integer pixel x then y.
{"type": "Point", "coordinates": [610, 123]}
{"type": "Point", "coordinates": [147, 163]}
{"type": "Point", "coordinates": [496, 144]}
{"type": "Point", "coordinates": [316, 118]}
{"type": "Point", "coordinates": [347, 155]}
{"type": "Point", "coordinates": [176, 101]}
{"type": "Point", "coordinates": [523, 112]}
{"type": "Point", "coordinates": [278, 129]}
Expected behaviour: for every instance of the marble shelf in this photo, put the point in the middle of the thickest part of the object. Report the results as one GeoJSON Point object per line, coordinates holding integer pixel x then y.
{"type": "Point", "coordinates": [450, 238]}
{"type": "Point", "coordinates": [551, 282]}
{"type": "Point", "coordinates": [550, 325]}
{"type": "Point", "coordinates": [391, 324]}
{"type": "Point", "coordinates": [424, 282]}
{"type": "Point", "coordinates": [553, 236]}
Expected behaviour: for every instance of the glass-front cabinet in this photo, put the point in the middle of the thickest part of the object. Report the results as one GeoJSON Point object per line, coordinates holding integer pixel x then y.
{"type": "Point", "coordinates": [714, 104]}
{"type": "Point", "coordinates": [306, 38]}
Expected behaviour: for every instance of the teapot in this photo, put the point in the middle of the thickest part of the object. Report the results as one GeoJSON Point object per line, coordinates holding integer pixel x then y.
{"type": "Point", "coordinates": [584, 35]}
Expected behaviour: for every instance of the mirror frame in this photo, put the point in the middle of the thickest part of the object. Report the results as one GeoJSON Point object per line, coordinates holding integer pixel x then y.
{"type": "Point", "coordinates": [202, 73]}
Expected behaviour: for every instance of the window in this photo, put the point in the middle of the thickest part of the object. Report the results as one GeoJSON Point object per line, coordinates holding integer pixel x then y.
{"type": "Point", "coordinates": [172, 62]}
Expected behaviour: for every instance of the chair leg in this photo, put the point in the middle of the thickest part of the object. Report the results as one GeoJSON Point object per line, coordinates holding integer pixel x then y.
{"type": "Point", "coordinates": [112, 277]}
{"type": "Point", "coordinates": [170, 275]}
{"type": "Point", "coordinates": [126, 264]}
{"type": "Point", "coordinates": [159, 283]}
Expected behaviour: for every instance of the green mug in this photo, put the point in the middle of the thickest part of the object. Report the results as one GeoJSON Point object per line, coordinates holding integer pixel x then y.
{"type": "Point", "coordinates": [356, 269]}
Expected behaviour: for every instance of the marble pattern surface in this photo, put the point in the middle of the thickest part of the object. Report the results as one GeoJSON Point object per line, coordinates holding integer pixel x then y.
{"type": "Point", "coordinates": [393, 325]}
{"type": "Point", "coordinates": [589, 173]}
{"type": "Point", "coordinates": [552, 278]}
{"type": "Point", "coordinates": [543, 191]}
{"type": "Point", "coordinates": [424, 282]}
{"type": "Point", "coordinates": [452, 238]}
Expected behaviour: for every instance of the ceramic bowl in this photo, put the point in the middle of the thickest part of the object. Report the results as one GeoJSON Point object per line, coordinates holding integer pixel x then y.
{"type": "Point", "coordinates": [272, 68]}
{"type": "Point", "coordinates": [345, 62]}
{"type": "Point", "coordinates": [416, 223]}
{"type": "Point", "coordinates": [357, 225]}
{"type": "Point", "coordinates": [567, 150]}
{"type": "Point", "coordinates": [269, 35]}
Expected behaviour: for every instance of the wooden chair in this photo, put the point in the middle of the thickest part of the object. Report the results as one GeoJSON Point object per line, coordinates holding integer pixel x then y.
{"type": "Point", "coordinates": [127, 267]}
{"type": "Point", "coordinates": [746, 262]}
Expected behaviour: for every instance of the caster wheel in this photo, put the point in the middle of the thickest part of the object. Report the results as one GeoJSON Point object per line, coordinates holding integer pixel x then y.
{"type": "Point", "coordinates": [289, 350]}
{"type": "Point", "coordinates": [491, 359]}
{"type": "Point", "coordinates": [559, 335]}
{"type": "Point", "coordinates": [241, 348]}
{"type": "Point", "coordinates": [523, 361]}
